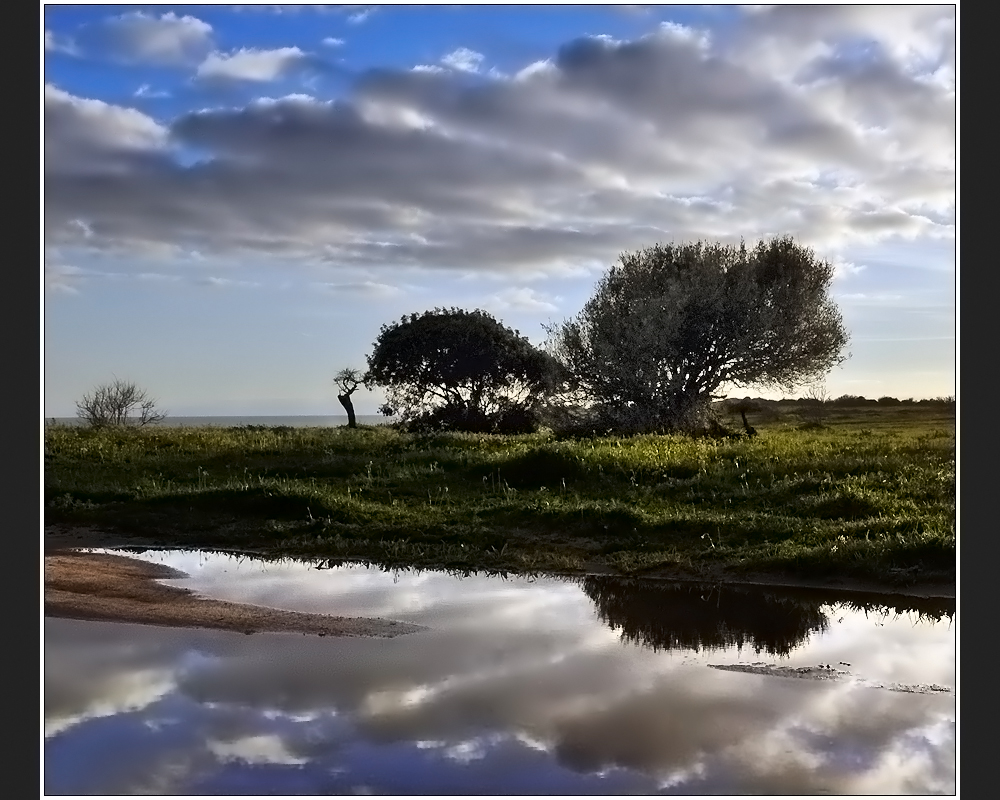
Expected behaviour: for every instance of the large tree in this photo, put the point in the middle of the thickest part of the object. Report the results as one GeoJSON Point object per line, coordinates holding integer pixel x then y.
{"type": "Point", "coordinates": [669, 325]}
{"type": "Point", "coordinates": [460, 369]}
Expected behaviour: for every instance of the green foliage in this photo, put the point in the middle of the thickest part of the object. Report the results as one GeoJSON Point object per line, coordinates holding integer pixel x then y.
{"type": "Point", "coordinates": [852, 400]}
{"type": "Point", "coordinates": [461, 370]}
{"type": "Point", "coordinates": [348, 380]}
{"type": "Point", "coordinates": [669, 325]}
{"type": "Point", "coordinates": [872, 494]}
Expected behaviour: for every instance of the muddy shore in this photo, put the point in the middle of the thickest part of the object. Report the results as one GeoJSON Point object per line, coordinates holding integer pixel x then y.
{"type": "Point", "coordinates": [71, 595]}
{"type": "Point", "coordinates": [116, 588]}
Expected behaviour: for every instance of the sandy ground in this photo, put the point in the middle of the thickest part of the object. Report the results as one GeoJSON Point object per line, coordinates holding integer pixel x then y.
{"type": "Point", "coordinates": [116, 588]}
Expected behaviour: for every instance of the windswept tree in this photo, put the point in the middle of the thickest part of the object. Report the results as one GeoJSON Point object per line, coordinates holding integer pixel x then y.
{"type": "Point", "coordinates": [452, 368]}
{"type": "Point", "coordinates": [669, 325]}
{"type": "Point", "coordinates": [118, 404]}
{"type": "Point", "coordinates": [348, 380]}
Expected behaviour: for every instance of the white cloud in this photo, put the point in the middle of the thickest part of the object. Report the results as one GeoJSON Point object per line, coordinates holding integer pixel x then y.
{"type": "Point", "coordinates": [83, 226]}
{"type": "Point", "coordinates": [684, 33]}
{"type": "Point", "coordinates": [249, 64]}
{"type": "Point", "coordinates": [286, 9]}
{"type": "Point", "coordinates": [91, 135]}
{"type": "Point", "coordinates": [843, 269]}
{"type": "Point", "coordinates": [605, 146]}
{"type": "Point", "coordinates": [875, 299]}
{"type": "Point", "coordinates": [145, 90]}
{"type": "Point", "coordinates": [128, 691]}
{"type": "Point", "coordinates": [360, 16]}
{"type": "Point", "coordinates": [58, 44]}
{"type": "Point", "coordinates": [468, 751]}
{"type": "Point", "coordinates": [138, 37]}
{"type": "Point", "coordinates": [62, 278]}
{"type": "Point", "coordinates": [361, 289]}
{"type": "Point", "coordinates": [463, 59]}
{"type": "Point", "coordinates": [785, 38]}
{"type": "Point", "coordinates": [263, 749]}
{"type": "Point", "coordinates": [523, 299]}
{"type": "Point", "coordinates": [635, 9]}
{"type": "Point", "coordinates": [333, 41]}
{"type": "Point", "coordinates": [224, 283]}
{"type": "Point", "coordinates": [536, 68]}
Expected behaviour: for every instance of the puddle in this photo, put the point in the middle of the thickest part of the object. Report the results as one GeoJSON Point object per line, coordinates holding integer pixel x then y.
{"type": "Point", "coordinates": [519, 686]}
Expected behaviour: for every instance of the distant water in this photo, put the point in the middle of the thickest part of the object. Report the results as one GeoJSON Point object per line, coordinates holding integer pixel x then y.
{"type": "Point", "coordinates": [236, 422]}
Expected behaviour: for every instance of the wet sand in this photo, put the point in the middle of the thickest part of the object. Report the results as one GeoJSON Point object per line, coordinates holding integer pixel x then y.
{"type": "Point", "coordinates": [114, 588]}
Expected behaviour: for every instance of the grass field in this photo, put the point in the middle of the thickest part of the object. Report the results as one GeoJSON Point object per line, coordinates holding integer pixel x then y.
{"type": "Point", "coordinates": [865, 492]}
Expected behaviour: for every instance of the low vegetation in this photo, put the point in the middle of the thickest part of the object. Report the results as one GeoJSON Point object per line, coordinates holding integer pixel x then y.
{"type": "Point", "coordinates": [861, 492]}
{"type": "Point", "coordinates": [118, 404]}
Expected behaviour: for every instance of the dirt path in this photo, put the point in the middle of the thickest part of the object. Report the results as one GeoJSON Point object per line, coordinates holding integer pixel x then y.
{"type": "Point", "coordinates": [115, 588]}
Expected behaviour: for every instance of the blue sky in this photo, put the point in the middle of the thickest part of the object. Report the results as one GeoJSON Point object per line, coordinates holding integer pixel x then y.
{"type": "Point", "coordinates": [238, 197]}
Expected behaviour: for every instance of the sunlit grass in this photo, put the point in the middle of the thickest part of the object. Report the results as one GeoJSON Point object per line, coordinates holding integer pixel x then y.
{"type": "Point", "coordinates": [870, 494]}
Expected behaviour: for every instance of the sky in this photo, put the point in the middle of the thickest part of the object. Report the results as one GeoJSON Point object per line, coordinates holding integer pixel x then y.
{"type": "Point", "coordinates": [236, 198]}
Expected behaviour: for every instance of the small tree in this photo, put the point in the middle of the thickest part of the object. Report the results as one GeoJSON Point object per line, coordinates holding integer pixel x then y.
{"type": "Point", "coordinates": [348, 380]}
{"type": "Point", "coordinates": [813, 405]}
{"type": "Point", "coordinates": [816, 394]}
{"type": "Point", "coordinates": [118, 404]}
{"type": "Point", "coordinates": [459, 369]}
{"type": "Point", "coordinates": [669, 325]}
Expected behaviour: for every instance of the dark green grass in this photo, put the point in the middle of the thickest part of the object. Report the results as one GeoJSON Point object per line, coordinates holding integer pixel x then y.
{"type": "Point", "coordinates": [865, 493]}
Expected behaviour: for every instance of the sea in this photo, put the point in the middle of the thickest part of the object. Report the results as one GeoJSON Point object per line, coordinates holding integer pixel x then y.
{"type": "Point", "coordinates": [296, 421]}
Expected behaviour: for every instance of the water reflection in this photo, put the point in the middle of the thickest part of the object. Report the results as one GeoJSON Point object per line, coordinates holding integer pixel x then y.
{"type": "Point", "coordinates": [672, 616]}
{"type": "Point", "coordinates": [520, 687]}
{"type": "Point", "coordinates": [675, 616]}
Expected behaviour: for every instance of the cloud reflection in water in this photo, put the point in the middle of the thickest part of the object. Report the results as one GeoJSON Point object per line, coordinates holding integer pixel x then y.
{"type": "Point", "coordinates": [543, 687]}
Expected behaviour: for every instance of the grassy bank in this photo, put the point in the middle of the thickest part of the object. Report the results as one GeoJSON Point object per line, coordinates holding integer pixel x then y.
{"type": "Point", "coordinates": [862, 493]}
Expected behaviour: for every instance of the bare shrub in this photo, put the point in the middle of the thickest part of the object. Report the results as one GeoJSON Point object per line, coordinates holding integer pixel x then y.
{"type": "Point", "coordinates": [118, 404]}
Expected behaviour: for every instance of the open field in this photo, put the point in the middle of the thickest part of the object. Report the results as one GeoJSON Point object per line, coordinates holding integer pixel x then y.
{"type": "Point", "coordinates": [827, 494]}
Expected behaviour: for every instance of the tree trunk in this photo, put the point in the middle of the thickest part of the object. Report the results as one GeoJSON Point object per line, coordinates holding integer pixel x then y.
{"type": "Point", "coordinates": [345, 401]}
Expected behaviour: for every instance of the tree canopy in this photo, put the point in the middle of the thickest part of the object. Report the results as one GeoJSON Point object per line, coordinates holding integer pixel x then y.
{"type": "Point", "coordinates": [669, 325]}
{"type": "Point", "coordinates": [460, 369]}
{"type": "Point", "coordinates": [347, 381]}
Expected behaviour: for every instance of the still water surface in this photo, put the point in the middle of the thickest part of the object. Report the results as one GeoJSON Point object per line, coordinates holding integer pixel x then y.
{"type": "Point", "coordinates": [521, 686]}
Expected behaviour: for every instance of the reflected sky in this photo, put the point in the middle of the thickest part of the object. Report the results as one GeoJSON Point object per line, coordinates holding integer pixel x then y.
{"type": "Point", "coordinates": [543, 686]}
